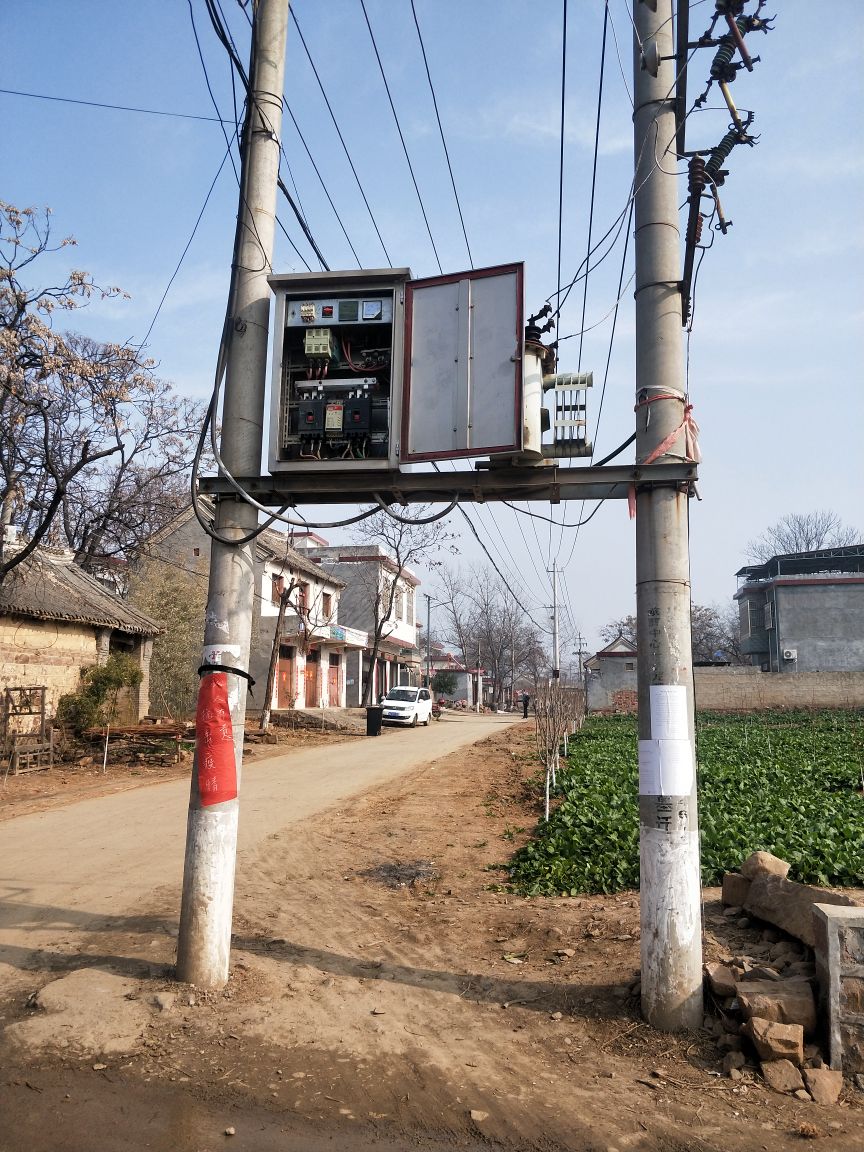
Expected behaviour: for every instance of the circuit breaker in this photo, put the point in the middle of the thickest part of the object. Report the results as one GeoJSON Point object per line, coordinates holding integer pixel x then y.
{"type": "Point", "coordinates": [337, 369]}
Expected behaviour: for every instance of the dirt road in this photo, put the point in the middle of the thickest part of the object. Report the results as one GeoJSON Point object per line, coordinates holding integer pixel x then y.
{"type": "Point", "coordinates": [386, 991]}
{"type": "Point", "coordinates": [79, 866]}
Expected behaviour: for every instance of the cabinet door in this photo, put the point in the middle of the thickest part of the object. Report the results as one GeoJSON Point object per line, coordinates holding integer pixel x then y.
{"type": "Point", "coordinates": [462, 378]}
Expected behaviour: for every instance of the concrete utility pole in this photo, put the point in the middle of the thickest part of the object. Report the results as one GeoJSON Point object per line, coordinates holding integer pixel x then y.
{"type": "Point", "coordinates": [556, 653]}
{"type": "Point", "coordinates": [669, 837]}
{"type": "Point", "coordinates": [204, 943]}
{"type": "Point", "coordinates": [428, 640]}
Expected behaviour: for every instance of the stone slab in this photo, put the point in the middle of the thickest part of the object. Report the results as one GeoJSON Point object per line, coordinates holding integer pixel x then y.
{"type": "Point", "coordinates": [789, 905]}
{"type": "Point", "coordinates": [779, 1001]}
{"type": "Point", "coordinates": [764, 864]}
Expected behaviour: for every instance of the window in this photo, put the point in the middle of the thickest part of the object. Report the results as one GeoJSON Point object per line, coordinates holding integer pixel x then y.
{"type": "Point", "coordinates": [398, 603]}
{"type": "Point", "coordinates": [629, 665]}
{"type": "Point", "coordinates": [303, 596]}
{"type": "Point", "coordinates": [276, 589]}
{"type": "Point", "coordinates": [756, 616]}
{"type": "Point", "coordinates": [409, 606]}
{"type": "Point", "coordinates": [326, 604]}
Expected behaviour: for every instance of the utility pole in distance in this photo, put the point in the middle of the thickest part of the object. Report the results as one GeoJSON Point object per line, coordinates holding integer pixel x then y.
{"type": "Point", "coordinates": [428, 640]}
{"type": "Point", "coordinates": [204, 943]}
{"type": "Point", "coordinates": [556, 653]}
{"type": "Point", "coordinates": [669, 836]}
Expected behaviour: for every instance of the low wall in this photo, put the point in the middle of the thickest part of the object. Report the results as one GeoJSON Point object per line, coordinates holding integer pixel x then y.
{"type": "Point", "coordinates": [751, 689]}
{"type": "Point", "coordinates": [742, 689]}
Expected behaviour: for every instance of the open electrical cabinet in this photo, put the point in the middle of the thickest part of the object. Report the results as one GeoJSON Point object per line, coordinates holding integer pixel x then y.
{"type": "Point", "coordinates": [372, 369]}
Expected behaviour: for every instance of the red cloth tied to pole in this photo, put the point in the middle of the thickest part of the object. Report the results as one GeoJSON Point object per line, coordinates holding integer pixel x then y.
{"type": "Point", "coordinates": [691, 444]}
{"type": "Point", "coordinates": [691, 432]}
{"type": "Point", "coordinates": [217, 766]}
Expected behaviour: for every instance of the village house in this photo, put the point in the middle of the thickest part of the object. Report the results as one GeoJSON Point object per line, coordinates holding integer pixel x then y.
{"type": "Point", "coordinates": [314, 646]}
{"type": "Point", "coordinates": [611, 677]}
{"type": "Point", "coordinates": [369, 574]}
{"type": "Point", "coordinates": [804, 612]}
{"type": "Point", "coordinates": [56, 621]}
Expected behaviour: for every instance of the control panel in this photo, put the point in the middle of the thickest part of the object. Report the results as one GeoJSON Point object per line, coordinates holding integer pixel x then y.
{"type": "Point", "coordinates": [337, 369]}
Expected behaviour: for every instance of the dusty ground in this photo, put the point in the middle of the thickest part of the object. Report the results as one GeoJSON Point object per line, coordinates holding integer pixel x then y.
{"type": "Point", "coordinates": [384, 993]}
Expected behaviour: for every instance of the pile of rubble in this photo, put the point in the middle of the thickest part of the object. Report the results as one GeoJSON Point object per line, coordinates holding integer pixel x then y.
{"type": "Point", "coordinates": [771, 1006]}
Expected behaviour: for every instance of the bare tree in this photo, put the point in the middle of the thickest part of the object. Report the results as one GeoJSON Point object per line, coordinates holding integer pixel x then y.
{"type": "Point", "coordinates": [802, 532]}
{"type": "Point", "coordinates": [485, 622]}
{"type": "Point", "coordinates": [403, 542]}
{"type": "Point", "coordinates": [714, 633]}
{"type": "Point", "coordinates": [93, 446]}
{"type": "Point", "coordinates": [555, 709]}
{"type": "Point", "coordinates": [624, 627]}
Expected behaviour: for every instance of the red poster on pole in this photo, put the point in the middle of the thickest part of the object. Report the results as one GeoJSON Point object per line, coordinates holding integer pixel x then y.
{"type": "Point", "coordinates": [217, 767]}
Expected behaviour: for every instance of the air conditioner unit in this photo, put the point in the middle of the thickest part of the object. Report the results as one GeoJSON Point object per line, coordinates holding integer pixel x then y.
{"type": "Point", "coordinates": [790, 653]}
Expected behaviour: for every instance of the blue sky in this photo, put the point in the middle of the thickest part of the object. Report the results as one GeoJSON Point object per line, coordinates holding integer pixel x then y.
{"type": "Point", "coordinates": [776, 351]}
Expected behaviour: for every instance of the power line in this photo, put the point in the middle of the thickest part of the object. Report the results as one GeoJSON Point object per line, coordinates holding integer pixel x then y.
{"type": "Point", "coordinates": [491, 560]}
{"type": "Point", "coordinates": [612, 335]}
{"type": "Point", "coordinates": [590, 213]}
{"type": "Point", "coordinates": [593, 178]}
{"type": "Point", "coordinates": [341, 137]}
{"type": "Point", "coordinates": [224, 37]}
{"type": "Point", "coordinates": [561, 145]}
{"type": "Point", "coordinates": [187, 246]}
{"type": "Point", "coordinates": [513, 562]}
{"type": "Point", "coordinates": [401, 137]}
{"type": "Point", "coordinates": [113, 107]}
{"type": "Point", "coordinates": [287, 108]}
{"type": "Point", "coordinates": [504, 581]}
{"type": "Point", "coordinates": [443, 141]}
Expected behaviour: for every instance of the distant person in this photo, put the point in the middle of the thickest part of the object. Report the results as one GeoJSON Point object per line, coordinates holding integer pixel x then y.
{"type": "Point", "coordinates": [525, 699]}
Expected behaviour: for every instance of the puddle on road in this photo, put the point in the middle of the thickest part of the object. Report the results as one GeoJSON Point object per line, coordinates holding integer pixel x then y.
{"type": "Point", "coordinates": [404, 874]}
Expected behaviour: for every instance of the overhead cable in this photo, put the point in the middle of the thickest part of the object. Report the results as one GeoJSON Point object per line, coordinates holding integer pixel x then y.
{"type": "Point", "coordinates": [561, 143]}
{"type": "Point", "coordinates": [401, 136]}
{"type": "Point", "coordinates": [186, 247]}
{"type": "Point", "coordinates": [113, 107]}
{"type": "Point", "coordinates": [441, 132]}
{"type": "Point", "coordinates": [339, 134]}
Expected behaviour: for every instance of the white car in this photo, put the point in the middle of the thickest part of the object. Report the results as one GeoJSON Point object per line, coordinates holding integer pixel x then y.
{"type": "Point", "coordinates": [407, 706]}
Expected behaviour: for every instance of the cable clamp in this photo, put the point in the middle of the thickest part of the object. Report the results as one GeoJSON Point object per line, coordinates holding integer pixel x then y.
{"type": "Point", "coordinates": [205, 668]}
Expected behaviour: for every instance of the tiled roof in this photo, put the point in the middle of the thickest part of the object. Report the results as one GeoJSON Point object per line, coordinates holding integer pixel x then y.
{"type": "Point", "coordinates": [47, 586]}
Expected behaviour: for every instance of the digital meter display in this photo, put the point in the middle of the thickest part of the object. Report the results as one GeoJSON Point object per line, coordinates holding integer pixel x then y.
{"type": "Point", "coordinates": [372, 309]}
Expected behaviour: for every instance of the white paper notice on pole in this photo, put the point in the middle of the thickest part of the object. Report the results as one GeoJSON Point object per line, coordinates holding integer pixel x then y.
{"type": "Point", "coordinates": [669, 712]}
{"type": "Point", "coordinates": [649, 768]}
{"type": "Point", "coordinates": [665, 767]}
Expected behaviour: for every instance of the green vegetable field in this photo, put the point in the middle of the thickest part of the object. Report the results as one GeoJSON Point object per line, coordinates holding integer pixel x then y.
{"type": "Point", "coordinates": [785, 782]}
